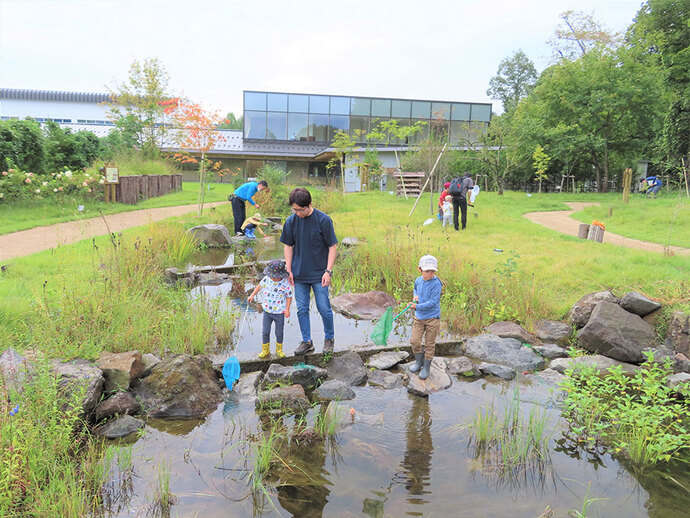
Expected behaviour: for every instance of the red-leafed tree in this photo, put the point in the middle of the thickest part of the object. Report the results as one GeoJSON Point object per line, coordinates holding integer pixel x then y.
{"type": "Point", "coordinates": [196, 131]}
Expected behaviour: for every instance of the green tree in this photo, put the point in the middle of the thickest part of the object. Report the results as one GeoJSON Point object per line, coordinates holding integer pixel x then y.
{"type": "Point", "coordinates": [391, 133]}
{"type": "Point", "coordinates": [232, 122]}
{"type": "Point", "coordinates": [541, 163]}
{"type": "Point", "coordinates": [22, 146]}
{"type": "Point", "coordinates": [344, 146]}
{"type": "Point", "coordinates": [662, 31]}
{"type": "Point", "coordinates": [514, 80]}
{"type": "Point", "coordinates": [67, 149]}
{"type": "Point", "coordinates": [604, 105]}
{"type": "Point", "coordinates": [136, 108]}
{"type": "Point", "coordinates": [579, 32]}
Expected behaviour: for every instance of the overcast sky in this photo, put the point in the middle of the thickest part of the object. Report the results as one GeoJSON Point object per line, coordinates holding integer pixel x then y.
{"type": "Point", "coordinates": [212, 50]}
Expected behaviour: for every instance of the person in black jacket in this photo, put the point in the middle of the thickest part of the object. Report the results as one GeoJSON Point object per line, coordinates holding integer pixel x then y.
{"type": "Point", "coordinates": [460, 199]}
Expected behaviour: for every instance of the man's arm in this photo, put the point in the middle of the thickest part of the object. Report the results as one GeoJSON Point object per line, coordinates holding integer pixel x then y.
{"type": "Point", "coordinates": [287, 252]}
{"type": "Point", "coordinates": [326, 277]}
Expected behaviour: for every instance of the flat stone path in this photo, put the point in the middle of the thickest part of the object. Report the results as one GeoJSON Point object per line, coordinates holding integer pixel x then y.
{"type": "Point", "coordinates": [27, 242]}
{"type": "Point", "coordinates": [562, 222]}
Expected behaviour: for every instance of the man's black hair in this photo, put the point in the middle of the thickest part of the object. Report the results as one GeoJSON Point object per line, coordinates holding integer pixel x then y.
{"type": "Point", "coordinates": [264, 183]}
{"type": "Point", "coordinates": [300, 196]}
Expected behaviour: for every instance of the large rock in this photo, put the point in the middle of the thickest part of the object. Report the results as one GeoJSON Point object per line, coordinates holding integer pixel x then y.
{"type": "Point", "coordinates": [582, 309]}
{"type": "Point", "coordinates": [679, 379]}
{"type": "Point", "coordinates": [213, 279]}
{"type": "Point", "coordinates": [120, 369]}
{"type": "Point", "coordinates": [511, 330]}
{"type": "Point", "coordinates": [553, 332]}
{"type": "Point", "coordinates": [463, 366]}
{"type": "Point", "coordinates": [387, 359]}
{"type": "Point", "coordinates": [350, 241]}
{"type": "Point", "coordinates": [551, 351]}
{"type": "Point", "coordinates": [348, 368]}
{"type": "Point", "coordinates": [544, 389]}
{"type": "Point", "coordinates": [639, 304]}
{"type": "Point", "coordinates": [334, 390]}
{"type": "Point", "coordinates": [385, 379]}
{"type": "Point", "coordinates": [343, 415]}
{"type": "Point", "coordinates": [180, 386]}
{"type": "Point", "coordinates": [364, 306]}
{"type": "Point", "coordinates": [292, 399]}
{"type": "Point", "coordinates": [615, 333]}
{"type": "Point", "coordinates": [506, 351]}
{"type": "Point", "coordinates": [120, 427]}
{"type": "Point", "coordinates": [248, 384]}
{"type": "Point", "coordinates": [150, 361]}
{"type": "Point", "coordinates": [121, 403]}
{"type": "Point", "coordinates": [500, 371]}
{"type": "Point", "coordinates": [308, 376]}
{"type": "Point", "coordinates": [438, 379]}
{"type": "Point", "coordinates": [601, 364]}
{"type": "Point", "coordinates": [80, 375]}
{"type": "Point", "coordinates": [13, 369]}
{"type": "Point", "coordinates": [211, 235]}
{"type": "Point", "coordinates": [678, 334]}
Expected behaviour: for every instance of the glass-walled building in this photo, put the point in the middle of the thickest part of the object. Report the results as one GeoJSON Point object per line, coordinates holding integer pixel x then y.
{"type": "Point", "coordinates": [316, 118]}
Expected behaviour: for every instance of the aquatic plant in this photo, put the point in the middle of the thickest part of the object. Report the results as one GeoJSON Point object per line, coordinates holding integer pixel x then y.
{"type": "Point", "coordinates": [510, 444]}
{"type": "Point", "coordinates": [163, 499]}
{"type": "Point", "coordinates": [640, 418]}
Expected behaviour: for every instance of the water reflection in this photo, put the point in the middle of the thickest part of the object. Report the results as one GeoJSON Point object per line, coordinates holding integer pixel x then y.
{"type": "Point", "coordinates": [416, 465]}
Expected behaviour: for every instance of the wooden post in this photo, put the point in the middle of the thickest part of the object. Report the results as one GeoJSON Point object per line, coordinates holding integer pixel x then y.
{"type": "Point", "coordinates": [583, 231]}
{"type": "Point", "coordinates": [684, 166]}
{"type": "Point", "coordinates": [627, 180]}
{"type": "Point", "coordinates": [596, 233]}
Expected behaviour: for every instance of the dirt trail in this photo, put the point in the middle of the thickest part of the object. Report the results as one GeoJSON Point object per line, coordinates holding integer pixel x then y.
{"type": "Point", "coordinates": [562, 222]}
{"type": "Point", "coordinates": [26, 242]}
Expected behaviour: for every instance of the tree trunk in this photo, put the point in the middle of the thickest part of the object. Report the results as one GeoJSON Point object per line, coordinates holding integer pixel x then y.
{"type": "Point", "coordinates": [597, 171]}
{"type": "Point", "coordinates": [606, 168]}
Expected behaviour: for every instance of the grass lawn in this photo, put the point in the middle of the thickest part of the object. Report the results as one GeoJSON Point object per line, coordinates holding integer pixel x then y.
{"type": "Point", "coordinates": [35, 213]}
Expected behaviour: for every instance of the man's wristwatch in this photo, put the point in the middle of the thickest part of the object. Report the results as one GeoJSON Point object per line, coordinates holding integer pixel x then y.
{"type": "Point", "coordinates": [330, 272]}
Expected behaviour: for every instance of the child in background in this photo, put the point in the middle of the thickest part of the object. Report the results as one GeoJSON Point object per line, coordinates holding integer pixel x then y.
{"type": "Point", "coordinates": [447, 211]}
{"type": "Point", "coordinates": [427, 315]}
{"type": "Point", "coordinates": [276, 301]}
{"type": "Point", "coordinates": [252, 223]}
{"type": "Point", "coordinates": [442, 199]}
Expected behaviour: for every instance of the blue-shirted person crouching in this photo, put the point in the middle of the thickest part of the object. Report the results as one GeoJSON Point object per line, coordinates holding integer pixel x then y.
{"type": "Point", "coordinates": [310, 247]}
{"type": "Point", "coordinates": [242, 194]}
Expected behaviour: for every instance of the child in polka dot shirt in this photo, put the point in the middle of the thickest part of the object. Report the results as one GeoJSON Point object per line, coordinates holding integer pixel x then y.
{"type": "Point", "coordinates": [276, 295]}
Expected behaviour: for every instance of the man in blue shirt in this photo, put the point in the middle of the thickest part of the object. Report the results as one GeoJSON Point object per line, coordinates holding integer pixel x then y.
{"type": "Point", "coordinates": [653, 185]}
{"type": "Point", "coordinates": [310, 246]}
{"type": "Point", "coordinates": [242, 194]}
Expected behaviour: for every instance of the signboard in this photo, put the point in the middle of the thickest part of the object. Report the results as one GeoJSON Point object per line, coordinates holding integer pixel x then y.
{"type": "Point", "coordinates": [112, 175]}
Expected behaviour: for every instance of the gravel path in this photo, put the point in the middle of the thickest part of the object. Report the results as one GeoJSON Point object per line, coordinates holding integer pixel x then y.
{"type": "Point", "coordinates": [26, 242]}
{"type": "Point", "coordinates": [562, 222]}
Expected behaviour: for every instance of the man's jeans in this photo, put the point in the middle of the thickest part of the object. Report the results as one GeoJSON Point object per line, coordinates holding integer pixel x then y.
{"type": "Point", "coordinates": [323, 304]}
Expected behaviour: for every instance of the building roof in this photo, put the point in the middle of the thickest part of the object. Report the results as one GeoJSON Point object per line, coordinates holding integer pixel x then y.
{"type": "Point", "coordinates": [53, 95]}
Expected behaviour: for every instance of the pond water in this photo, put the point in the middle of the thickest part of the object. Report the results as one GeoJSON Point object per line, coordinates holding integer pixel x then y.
{"type": "Point", "coordinates": [415, 459]}
{"type": "Point", "coordinates": [416, 462]}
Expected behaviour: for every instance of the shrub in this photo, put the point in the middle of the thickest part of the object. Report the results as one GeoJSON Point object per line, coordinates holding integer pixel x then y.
{"type": "Point", "coordinates": [16, 184]}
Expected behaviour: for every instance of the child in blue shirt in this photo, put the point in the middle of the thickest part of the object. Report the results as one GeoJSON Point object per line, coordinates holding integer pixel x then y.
{"type": "Point", "coordinates": [427, 316]}
{"type": "Point", "coordinates": [276, 300]}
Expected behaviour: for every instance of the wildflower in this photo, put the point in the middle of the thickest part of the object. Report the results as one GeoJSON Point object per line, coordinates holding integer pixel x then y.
{"type": "Point", "coordinates": [59, 188]}
{"type": "Point", "coordinates": [45, 183]}
{"type": "Point", "coordinates": [68, 174]}
{"type": "Point", "coordinates": [4, 173]}
{"type": "Point", "coordinates": [2, 195]}
{"type": "Point", "coordinates": [55, 190]}
{"type": "Point", "coordinates": [11, 170]}
{"type": "Point", "coordinates": [14, 411]}
{"type": "Point", "coordinates": [101, 182]}
{"type": "Point", "coordinates": [89, 190]}
{"type": "Point", "coordinates": [28, 180]}
{"type": "Point", "coordinates": [84, 184]}
{"type": "Point", "coordinates": [38, 191]}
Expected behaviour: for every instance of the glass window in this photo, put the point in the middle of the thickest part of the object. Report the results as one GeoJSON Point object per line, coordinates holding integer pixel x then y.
{"type": "Point", "coordinates": [439, 128]}
{"type": "Point", "coordinates": [318, 104]}
{"type": "Point", "coordinates": [339, 122]}
{"type": "Point", "coordinates": [318, 127]}
{"type": "Point", "coordinates": [277, 102]}
{"type": "Point", "coordinates": [460, 133]}
{"type": "Point", "coordinates": [360, 106]}
{"type": "Point", "coordinates": [276, 126]}
{"type": "Point", "coordinates": [380, 107]}
{"type": "Point", "coordinates": [297, 126]}
{"type": "Point", "coordinates": [254, 124]}
{"type": "Point", "coordinates": [359, 123]}
{"type": "Point", "coordinates": [421, 109]}
{"type": "Point", "coordinates": [481, 112]}
{"type": "Point", "coordinates": [254, 101]}
{"type": "Point", "coordinates": [461, 112]}
{"type": "Point", "coordinates": [298, 103]}
{"type": "Point", "coordinates": [340, 106]}
{"type": "Point", "coordinates": [402, 123]}
{"type": "Point", "coordinates": [440, 110]}
{"type": "Point", "coordinates": [400, 109]}
{"type": "Point", "coordinates": [420, 135]}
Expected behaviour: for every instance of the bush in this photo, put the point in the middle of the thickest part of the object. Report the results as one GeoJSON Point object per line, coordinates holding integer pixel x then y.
{"type": "Point", "coordinates": [21, 145]}
{"type": "Point", "coordinates": [16, 185]}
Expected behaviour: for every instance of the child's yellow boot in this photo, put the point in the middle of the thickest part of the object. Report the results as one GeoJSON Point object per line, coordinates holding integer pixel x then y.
{"type": "Point", "coordinates": [265, 351]}
{"type": "Point", "coordinates": [279, 350]}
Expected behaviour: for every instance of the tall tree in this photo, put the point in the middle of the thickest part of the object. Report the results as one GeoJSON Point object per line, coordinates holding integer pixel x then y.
{"type": "Point", "coordinates": [514, 80]}
{"type": "Point", "coordinates": [662, 30]}
{"type": "Point", "coordinates": [232, 122]}
{"type": "Point", "coordinates": [579, 32]}
{"type": "Point", "coordinates": [135, 107]}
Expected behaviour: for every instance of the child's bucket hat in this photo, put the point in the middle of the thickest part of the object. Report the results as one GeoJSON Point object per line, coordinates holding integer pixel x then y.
{"type": "Point", "coordinates": [276, 269]}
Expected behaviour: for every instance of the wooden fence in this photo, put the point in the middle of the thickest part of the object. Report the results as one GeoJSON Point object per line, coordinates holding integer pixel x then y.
{"type": "Point", "coordinates": [132, 189]}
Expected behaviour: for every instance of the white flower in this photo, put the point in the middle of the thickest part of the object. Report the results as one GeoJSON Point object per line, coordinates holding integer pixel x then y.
{"type": "Point", "coordinates": [2, 195]}
{"type": "Point", "coordinates": [68, 174]}
{"type": "Point", "coordinates": [55, 190]}
{"type": "Point", "coordinates": [45, 183]}
{"type": "Point", "coordinates": [102, 182]}
{"type": "Point", "coordinates": [38, 191]}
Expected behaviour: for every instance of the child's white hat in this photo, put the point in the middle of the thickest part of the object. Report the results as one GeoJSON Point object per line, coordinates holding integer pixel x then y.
{"type": "Point", "coordinates": [428, 262]}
